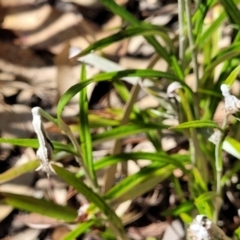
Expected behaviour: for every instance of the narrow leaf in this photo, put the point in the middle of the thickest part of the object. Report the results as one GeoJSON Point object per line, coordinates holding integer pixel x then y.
{"type": "Point", "coordinates": [126, 130]}
{"type": "Point", "coordinates": [33, 143]}
{"type": "Point", "coordinates": [139, 183]}
{"type": "Point", "coordinates": [18, 171]}
{"type": "Point", "coordinates": [197, 124]}
{"type": "Point", "coordinates": [232, 77]}
{"type": "Point", "coordinates": [162, 158]}
{"type": "Point", "coordinates": [40, 206]}
{"type": "Point", "coordinates": [232, 10]}
{"type": "Point", "coordinates": [80, 229]}
{"type": "Point", "coordinates": [127, 16]}
{"type": "Point", "coordinates": [145, 30]}
{"type": "Point", "coordinates": [148, 73]}
{"type": "Point", "coordinates": [93, 197]}
{"type": "Point", "coordinates": [85, 135]}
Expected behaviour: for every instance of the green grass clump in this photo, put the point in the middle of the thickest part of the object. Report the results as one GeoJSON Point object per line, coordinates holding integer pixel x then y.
{"type": "Point", "coordinates": [203, 166]}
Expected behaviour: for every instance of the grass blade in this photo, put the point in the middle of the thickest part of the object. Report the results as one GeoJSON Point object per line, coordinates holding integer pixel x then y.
{"type": "Point", "coordinates": [169, 57]}
{"type": "Point", "coordinates": [85, 135]}
{"type": "Point", "coordinates": [18, 171]}
{"type": "Point", "coordinates": [33, 143]}
{"type": "Point", "coordinates": [162, 158]}
{"type": "Point", "coordinates": [197, 124]}
{"type": "Point", "coordinates": [72, 180]}
{"type": "Point", "coordinates": [145, 30]}
{"type": "Point", "coordinates": [139, 183]}
{"type": "Point", "coordinates": [126, 130]}
{"type": "Point", "coordinates": [232, 10]}
{"type": "Point", "coordinates": [36, 205]}
{"type": "Point", "coordinates": [206, 36]}
{"type": "Point", "coordinates": [232, 76]}
{"type": "Point", "coordinates": [148, 73]}
{"type": "Point", "coordinates": [81, 228]}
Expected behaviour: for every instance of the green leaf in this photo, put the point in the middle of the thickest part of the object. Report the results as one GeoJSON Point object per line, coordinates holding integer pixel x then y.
{"type": "Point", "coordinates": [232, 146]}
{"type": "Point", "coordinates": [228, 175]}
{"type": "Point", "coordinates": [33, 143]}
{"type": "Point", "coordinates": [80, 229]}
{"type": "Point", "coordinates": [40, 206]}
{"type": "Point", "coordinates": [232, 77]}
{"type": "Point", "coordinates": [177, 160]}
{"type": "Point", "coordinates": [185, 207]}
{"type": "Point", "coordinates": [200, 14]}
{"type": "Point", "coordinates": [232, 10]}
{"type": "Point", "coordinates": [21, 142]}
{"type": "Point", "coordinates": [204, 203]}
{"type": "Point", "coordinates": [96, 121]}
{"type": "Point", "coordinates": [17, 171]}
{"type": "Point", "coordinates": [119, 10]}
{"type": "Point", "coordinates": [199, 185]}
{"type": "Point", "coordinates": [85, 135]}
{"type": "Point", "coordinates": [206, 36]}
{"type": "Point", "coordinates": [197, 124]}
{"type": "Point", "coordinates": [144, 30]}
{"type": "Point", "coordinates": [160, 50]}
{"type": "Point", "coordinates": [93, 197]}
{"type": "Point", "coordinates": [139, 183]}
{"type": "Point", "coordinates": [227, 53]}
{"type": "Point", "coordinates": [186, 218]}
{"type": "Point", "coordinates": [126, 130]}
{"type": "Point", "coordinates": [148, 73]}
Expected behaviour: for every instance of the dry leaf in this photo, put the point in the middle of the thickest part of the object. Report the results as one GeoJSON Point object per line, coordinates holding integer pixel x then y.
{"type": "Point", "coordinates": [34, 16]}
{"type": "Point", "coordinates": [15, 121]}
{"type": "Point", "coordinates": [37, 221]}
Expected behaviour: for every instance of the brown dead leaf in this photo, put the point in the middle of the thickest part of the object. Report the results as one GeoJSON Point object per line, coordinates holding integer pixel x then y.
{"type": "Point", "coordinates": [34, 16]}
{"type": "Point", "coordinates": [29, 234]}
{"type": "Point", "coordinates": [14, 3]}
{"type": "Point", "coordinates": [15, 121]}
{"type": "Point", "coordinates": [37, 221]}
{"type": "Point", "coordinates": [5, 211]}
{"type": "Point", "coordinates": [67, 75]}
{"type": "Point", "coordinates": [152, 230]}
{"type": "Point", "coordinates": [59, 233]}
{"type": "Point", "coordinates": [174, 231]}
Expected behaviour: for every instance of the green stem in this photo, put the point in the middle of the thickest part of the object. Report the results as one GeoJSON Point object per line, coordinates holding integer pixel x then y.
{"type": "Point", "coordinates": [219, 165]}
{"type": "Point", "coordinates": [192, 42]}
{"type": "Point", "coordinates": [110, 173]}
{"type": "Point", "coordinates": [80, 161]}
{"type": "Point", "coordinates": [181, 30]}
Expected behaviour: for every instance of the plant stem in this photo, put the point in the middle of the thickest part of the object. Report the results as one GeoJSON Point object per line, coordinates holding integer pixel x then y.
{"type": "Point", "coordinates": [181, 30]}
{"type": "Point", "coordinates": [47, 116]}
{"type": "Point", "coordinates": [192, 43]}
{"type": "Point", "coordinates": [110, 174]}
{"type": "Point", "coordinates": [219, 165]}
{"type": "Point", "coordinates": [80, 161]}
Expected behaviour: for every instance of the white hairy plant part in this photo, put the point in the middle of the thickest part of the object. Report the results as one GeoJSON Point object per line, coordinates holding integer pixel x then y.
{"type": "Point", "coordinates": [232, 103]}
{"type": "Point", "coordinates": [45, 150]}
{"type": "Point", "coordinates": [204, 229]}
{"type": "Point", "coordinates": [214, 138]}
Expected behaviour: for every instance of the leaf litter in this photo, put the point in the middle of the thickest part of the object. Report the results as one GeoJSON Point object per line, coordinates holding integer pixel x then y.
{"type": "Point", "coordinates": [35, 70]}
